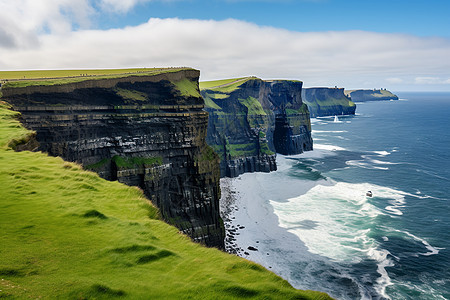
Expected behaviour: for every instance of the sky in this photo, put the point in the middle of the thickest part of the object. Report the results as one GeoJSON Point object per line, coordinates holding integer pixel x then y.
{"type": "Point", "coordinates": [401, 45]}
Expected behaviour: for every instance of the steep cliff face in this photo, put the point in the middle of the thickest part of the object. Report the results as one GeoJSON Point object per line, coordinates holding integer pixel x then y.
{"type": "Point", "coordinates": [250, 119]}
{"type": "Point", "coordinates": [327, 102]}
{"type": "Point", "coordinates": [147, 131]}
{"type": "Point", "coordinates": [370, 95]}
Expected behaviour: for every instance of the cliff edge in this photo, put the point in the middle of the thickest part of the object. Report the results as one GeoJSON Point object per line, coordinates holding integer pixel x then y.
{"type": "Point", "coordinates": [66, 233]}
{"type": "Point", "coordinates": [146, 130]}
{"type": "Point", "coordinates": [251, 119]}
{"type": "Point", "coordinates": [324, 101]}
{"type": "Point", "coordinates": [370, 95]}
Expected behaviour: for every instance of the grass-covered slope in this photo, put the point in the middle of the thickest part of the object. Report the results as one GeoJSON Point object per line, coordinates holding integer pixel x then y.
{"type": "Point", "coordinates": [218, 84]}
{"type": "Point", "coordinates": [66, 233]}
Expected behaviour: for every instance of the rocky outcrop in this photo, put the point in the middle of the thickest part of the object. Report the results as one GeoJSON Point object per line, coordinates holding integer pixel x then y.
{"type": "Point", "coordinates": [324, 101]}
{"type": "Point", "coordinates": [250, 119]}
{"type": "Point", "coordinates": [370, 95]}
{"type": "Point", "coordinates": [147, 131]}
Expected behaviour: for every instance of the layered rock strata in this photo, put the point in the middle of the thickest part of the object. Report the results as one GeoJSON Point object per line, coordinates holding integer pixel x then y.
{"type": "Point", "coordinates": [250, 119]}
{"type": "Point", "coordinates": [324, 101]}
{"type": "Point", "coordinates": [146, 131]}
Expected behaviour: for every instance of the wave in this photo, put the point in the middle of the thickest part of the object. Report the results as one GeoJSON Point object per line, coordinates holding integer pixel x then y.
{"type": "Point", "coordinates": [338, 210]}
{"type": "Point", "coordinates": [431, 250]}
{"type": "Point", "coordinates": [329, 131]}
{"type": "Point", "coordinates": [328, 147]}
{"type": "Point", "coordinates": [371, 163]}
{"type": "Point", "coordinates": [341, 137]}
{"type": "Point", "coordinates": [382, 153]}
{"type": "Point", "coordinates": [381, 256]}
{"type": "Point", "coordinates": [344, 219]}
{"type": "Point", "coordinates": [433, 174]}
{"type": "Point", "coordinates": [395, 207]}
{"type": "Point", "coordinates": [380, 162]}
{"type": "Point", "coordinates": [365, 165]}
{"type": "Point", "coordinates": [419, 195]}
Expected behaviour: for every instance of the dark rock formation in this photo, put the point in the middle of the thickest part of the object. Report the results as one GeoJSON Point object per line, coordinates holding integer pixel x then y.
{"type": "Point", "coordinates": [250, 119]}
{"type": "Point", "coordinates": [327, 102]}
{"type": "Point", "coordinates": [288, 142]}
{"type": "Point", "coordinates": [146, 131]}
{"type": "Point", "coordinates": [370, 95]}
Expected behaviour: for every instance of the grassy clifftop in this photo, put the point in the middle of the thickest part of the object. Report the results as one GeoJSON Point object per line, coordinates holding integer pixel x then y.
{"type": "Point", "coordinates": [37, 81]}
{"type": "Point", "coordinates": [370, 95]}
{"type": "Point", "coordinates": [14, 79]}
{"type": "Point", "coordinates": [224, 85]}
{"type": "Point", "coordinates": [66, 233]}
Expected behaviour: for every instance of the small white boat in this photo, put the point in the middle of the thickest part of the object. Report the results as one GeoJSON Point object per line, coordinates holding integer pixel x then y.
{"type": "Point", "coordinates": [336, 119]}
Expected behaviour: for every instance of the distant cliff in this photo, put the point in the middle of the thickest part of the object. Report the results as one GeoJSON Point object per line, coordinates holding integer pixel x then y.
{"type": "Point", "coordinates": [327, 102]}
{"type": "Point", "coordinates": [142, 130]}
{"type": "Point", "coordinates": [370, 95]}
{"type": "Point", "coordinates": [250, 119]}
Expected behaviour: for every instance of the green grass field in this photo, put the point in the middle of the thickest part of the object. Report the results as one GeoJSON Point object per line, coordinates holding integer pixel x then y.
{"type": "Point", "coordinates": [373, 93]}
{"type": "Point", "coordinates": [224, 85]}
{"type": "Point", "coordinates": [68, 234]}
{"type": "Point", "coordinates": [188, 88]}
{"type": "Point", "coordinates": [215, 83]}
{"type": "Point", "coordinates": [13, 79]}
{"type": "Point", "coordinates": [39, 74]}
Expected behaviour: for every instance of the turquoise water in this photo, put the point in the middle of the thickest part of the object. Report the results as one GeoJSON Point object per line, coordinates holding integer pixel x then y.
{"type": "Point", "coordinates": [395, 244]}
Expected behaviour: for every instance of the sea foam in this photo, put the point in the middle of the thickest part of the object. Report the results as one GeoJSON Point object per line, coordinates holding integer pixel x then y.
{"type": "Point", "coordinates": [340, 219]}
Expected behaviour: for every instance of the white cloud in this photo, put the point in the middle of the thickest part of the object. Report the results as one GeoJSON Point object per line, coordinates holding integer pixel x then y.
{"type": "Point", "coordinates": [220, 49]}
{"type": "Point", "coordinates": [427, 80]}
{"type": "Point", "coordinates": [123, 6]}
{"type": "Point", "coordinates": [120, 5]}
{"type": "Point", "coordinates": [431, 80]}
{"type": "Point", "coordinates": [21, 21]}
{"type": "Point", "coordinates": [394, 80]}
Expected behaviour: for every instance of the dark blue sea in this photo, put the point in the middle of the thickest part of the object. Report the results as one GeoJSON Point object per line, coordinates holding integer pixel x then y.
{"type": "Point", "coordinates": [393, 245]}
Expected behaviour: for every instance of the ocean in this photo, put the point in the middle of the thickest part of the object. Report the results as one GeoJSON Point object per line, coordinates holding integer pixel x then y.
{"type": "Point", "coordinates": [312, 222]}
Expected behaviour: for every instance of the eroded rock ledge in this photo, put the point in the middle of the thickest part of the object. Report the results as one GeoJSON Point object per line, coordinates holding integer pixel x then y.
{"type": "Point", "coordinates": [147, 131]}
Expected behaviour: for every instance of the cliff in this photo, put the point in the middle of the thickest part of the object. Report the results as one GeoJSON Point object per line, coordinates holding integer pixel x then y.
{"type": "Point", "coordinates": [250, 119]}
{"type": "Point", "coordinates": [146, 130]}
{"type": "Point", "coordinates": [66, 233]}
{"type": "Point", "coordinates": [327, 102]}
{"type": "Point", "coordinates": [370, 95]}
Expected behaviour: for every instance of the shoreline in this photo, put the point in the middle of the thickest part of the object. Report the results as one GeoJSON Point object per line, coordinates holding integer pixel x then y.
{"type": "Point", "coordinates": [252, 228]}
{"type": "Point", "coordinates": [254, 232]}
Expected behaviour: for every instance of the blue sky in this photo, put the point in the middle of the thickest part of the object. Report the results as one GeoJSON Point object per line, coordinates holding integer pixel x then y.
{"type": "Point", "coordinates": [417, 17]}
{"type": "Point", "coordinates": [400, 45]}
